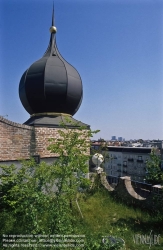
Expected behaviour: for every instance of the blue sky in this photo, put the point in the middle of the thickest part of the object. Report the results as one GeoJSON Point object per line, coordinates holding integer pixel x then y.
{"type": "Point", "coordinates": [116, 46]}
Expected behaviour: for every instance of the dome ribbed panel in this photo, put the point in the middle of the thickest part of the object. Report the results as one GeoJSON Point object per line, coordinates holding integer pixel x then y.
{"type": "Point", "coordinates": [55, 80]}
{"type": "Point", "coordinates": [22, 94]}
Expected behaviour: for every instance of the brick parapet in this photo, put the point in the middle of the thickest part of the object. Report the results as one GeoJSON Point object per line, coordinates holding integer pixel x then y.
{"type": "Point", "coordinates": [14, 124]}
{"type": "Point", "coordinates": [19, 141]}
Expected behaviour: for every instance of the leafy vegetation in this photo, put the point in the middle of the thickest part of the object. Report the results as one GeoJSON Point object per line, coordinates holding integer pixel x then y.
{"type": "Point", "coordinates": [102, 213]}
{"type": "Point", "coordinates": [102, 216]}
{"type": "Point", "coordinates": [50, 199]}
{"type": "Point", "coordinates": [154, 172]}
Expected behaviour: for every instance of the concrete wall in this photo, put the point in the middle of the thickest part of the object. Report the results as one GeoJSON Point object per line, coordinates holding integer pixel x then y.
{"type": "Point", "coordinates": [136, 193]}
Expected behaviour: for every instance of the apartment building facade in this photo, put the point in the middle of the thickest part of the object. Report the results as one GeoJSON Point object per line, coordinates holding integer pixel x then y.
{"type": "Point", "coordinates": [127, 161]}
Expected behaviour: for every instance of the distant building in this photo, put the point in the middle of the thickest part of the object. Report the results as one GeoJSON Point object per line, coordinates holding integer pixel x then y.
{"type": "Point", "coordinates": [120, 139]}
{"type": "Point", "coordinates": [137, 144]}
{"type": "Point", "coordinates": [113, 138]}
{"type": "Point", "coordinates": [127, 161]}
{"type": "Point", "coordinates": [157, 144]}
{"type": "Point", "coordinates": [95, 145]}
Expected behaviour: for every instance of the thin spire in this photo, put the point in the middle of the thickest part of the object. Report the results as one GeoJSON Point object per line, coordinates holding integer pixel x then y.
{"type": "Point", "coordinates": [53, 15]}
{"type": "Point", "coordinates": [53, 29]}
{"type": "Point", "coordinates": [51, 50]}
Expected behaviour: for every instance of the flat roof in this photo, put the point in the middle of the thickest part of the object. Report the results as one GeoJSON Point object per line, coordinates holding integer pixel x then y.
{"type": "Point", "coordinates": [130, 149]}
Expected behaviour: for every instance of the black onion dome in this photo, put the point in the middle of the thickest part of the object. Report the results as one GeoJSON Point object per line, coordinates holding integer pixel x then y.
{"type": "Point", "coordinates": [51, 84]}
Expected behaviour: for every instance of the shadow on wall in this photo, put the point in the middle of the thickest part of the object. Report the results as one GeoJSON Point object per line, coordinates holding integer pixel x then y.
{"type": "Point", "coordinates": [32, 146]}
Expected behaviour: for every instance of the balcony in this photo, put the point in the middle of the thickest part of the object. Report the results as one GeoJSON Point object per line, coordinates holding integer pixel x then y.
{"type": "Point", "coordinates": [140, 160]}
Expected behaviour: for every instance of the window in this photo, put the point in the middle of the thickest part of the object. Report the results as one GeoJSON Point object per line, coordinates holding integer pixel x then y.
{"type": "Point", "coordinates": [125, 163]}
{"type": "Point", "coordinates": [139, 158]}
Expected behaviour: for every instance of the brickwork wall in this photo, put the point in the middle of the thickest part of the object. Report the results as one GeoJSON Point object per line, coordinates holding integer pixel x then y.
{"type": "Point", "coordinates": [19, 141]}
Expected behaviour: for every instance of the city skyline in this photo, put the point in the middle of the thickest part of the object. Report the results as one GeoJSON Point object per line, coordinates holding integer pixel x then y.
{"type": "Point", "coordinates": [116, 46]}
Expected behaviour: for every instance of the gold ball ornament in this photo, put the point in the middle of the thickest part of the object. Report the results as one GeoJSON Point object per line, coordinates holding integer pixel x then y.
{"type": "Point", "coordinates": [53, 29]}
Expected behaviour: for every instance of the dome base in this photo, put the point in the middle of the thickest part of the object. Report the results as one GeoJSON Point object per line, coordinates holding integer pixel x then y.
{"type": "Point", "coordinates": [54, 120]}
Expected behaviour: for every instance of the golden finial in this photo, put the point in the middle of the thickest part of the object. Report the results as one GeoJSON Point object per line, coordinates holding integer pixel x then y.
{"type": "Point", "coordinates": [53, 29]}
